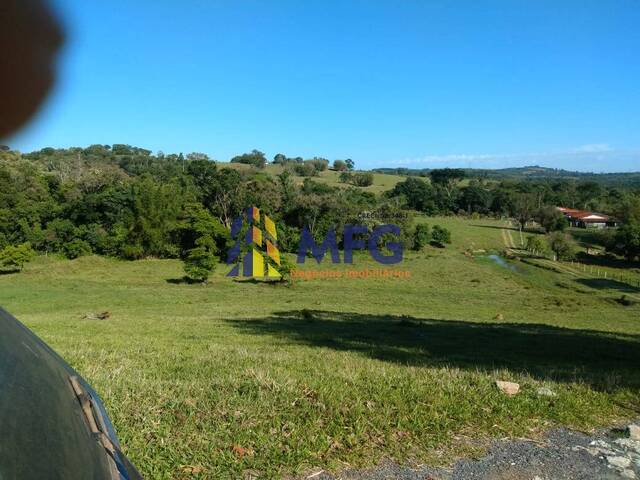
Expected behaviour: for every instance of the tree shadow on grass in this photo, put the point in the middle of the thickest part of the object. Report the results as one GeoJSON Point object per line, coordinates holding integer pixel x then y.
{"type": "Point", "coordinates": [9, 272]}
{"type": "Point", "coordinates": [605, 283]}
{"type": "Point", "coordinates": [605, 361]}
{"type": "Point", "coordinates": [606, 260]}
{"type": "Point", "coordinates": [182, 281]}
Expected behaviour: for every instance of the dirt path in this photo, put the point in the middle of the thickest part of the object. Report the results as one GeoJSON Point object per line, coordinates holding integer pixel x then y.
{"type": "Point", "coordinates": [507, 239]}
{"type": "Point", "coordinates": [561, 455]}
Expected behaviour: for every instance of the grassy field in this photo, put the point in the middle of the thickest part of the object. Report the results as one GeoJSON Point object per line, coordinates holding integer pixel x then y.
{"type": "Point", "coordinates": [232, 377]}
{"type": "Point", "coordinates": [381, 181]}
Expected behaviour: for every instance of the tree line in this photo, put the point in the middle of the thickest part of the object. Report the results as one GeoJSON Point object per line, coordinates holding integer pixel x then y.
{"type": "Point", "coordinates": [129, 203]}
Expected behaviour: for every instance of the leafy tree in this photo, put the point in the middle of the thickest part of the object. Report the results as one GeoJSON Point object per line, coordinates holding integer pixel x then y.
{"type": "Point", "coordinates": [255, 158]}
{"type": "Point", "coordinates": [76, 248]}
{"type": "Point", "coordinates": [421, 236]}
{"type": "Point", "coordinates": [319, 164]}
{"type": "Point", "coordinates": [562, 245]}
{"type": "Point", "coordinates": [537, 245]}
{"type": "Point", "coordinates": [627, 209]}
{"type": "Point", "coordinates": [475, 198]}
{"type": "Point", "coordinates": [14, 258]}
{"type": "Point", "coordinates": [362, 179]}
{"type": "Point", "coordinates": [345, 177]}
{"type": "Point", "coordinates": [198, 227]}
{"type": "Point", "coordinates": [588, 193]}
{"type": "Point", "coordinates": [279, 158]}
{"type": "Point", "coordinates": [199, 263]}
{"type": "Point", "coordinates": [305, 169]}
{"type": "Point", "coordinates": [440, 236]}
{"type": "Point", "coordinates": [524, 209]}
{"type": "Point", "coordinates": [551, 219]}
{"type": "Point", "coordinates": [448, 179]}
{"type": "Point", "coordinates": [417, 194]}
{"type": "Point", "coordinates": [59, 232]}
{"type": "Point", "coordinates": [340, 165]}
{"type": "Point", "coordinates": [627, 241]}
{"type": "Point", "coordinates": [198, 157]}
{"type": "Point", "coordinates": [350, 164]}
{"type": "Point", "coordinates": [154, 219]}
{"type": "Point", "coordinates": [288, 191]}
{"type": "Point", "coordinates": [286, 269]}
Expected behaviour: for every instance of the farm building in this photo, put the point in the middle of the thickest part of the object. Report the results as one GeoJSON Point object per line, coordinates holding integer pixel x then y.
{"type": "Point", "coordinates": [584, 219]}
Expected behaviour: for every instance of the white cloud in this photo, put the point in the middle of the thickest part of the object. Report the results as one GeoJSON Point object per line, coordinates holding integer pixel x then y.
{"type": "Point", "coordinates": [594, 148]}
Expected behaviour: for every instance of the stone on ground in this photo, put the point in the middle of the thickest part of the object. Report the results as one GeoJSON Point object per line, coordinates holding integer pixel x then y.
{"type": "Point", "coordinates": [545, 392]}
{"type": "Point", "coordinates": [508, 388]}
{"type": "Point", "coordinates": [633, 431]}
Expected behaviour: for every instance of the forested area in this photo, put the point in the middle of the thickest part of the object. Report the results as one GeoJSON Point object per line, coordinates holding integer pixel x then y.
{"type": "Point", "coordinates": [126, 202]}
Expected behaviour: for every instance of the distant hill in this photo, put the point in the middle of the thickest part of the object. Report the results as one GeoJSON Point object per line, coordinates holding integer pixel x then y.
{"type": "Point", "coordinates": [530, 173]}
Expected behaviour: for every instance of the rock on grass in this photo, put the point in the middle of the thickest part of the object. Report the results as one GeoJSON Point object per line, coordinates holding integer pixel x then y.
{"type": "Point", "coordinates": [508, 388]}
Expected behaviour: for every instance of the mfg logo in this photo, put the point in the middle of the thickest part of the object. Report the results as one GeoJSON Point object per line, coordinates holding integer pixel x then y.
{"type": "Point", "coordinates": [377, 242]}
{"type": "Point", "coordinates": [260, 256]}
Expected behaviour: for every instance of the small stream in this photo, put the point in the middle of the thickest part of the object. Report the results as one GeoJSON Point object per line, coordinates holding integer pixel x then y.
{"type": "Point", "coordinates": [501, 261]}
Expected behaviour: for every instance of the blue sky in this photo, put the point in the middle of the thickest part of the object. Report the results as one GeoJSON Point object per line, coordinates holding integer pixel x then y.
{"type": "Point", "coordinates": [386, 83]}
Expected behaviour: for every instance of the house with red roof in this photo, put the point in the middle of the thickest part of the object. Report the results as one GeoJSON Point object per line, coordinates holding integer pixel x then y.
{"type": "Point", "coordinates": [585, 219]}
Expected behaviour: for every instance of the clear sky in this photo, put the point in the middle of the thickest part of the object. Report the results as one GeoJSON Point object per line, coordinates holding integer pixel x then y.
{"type": "Point", "coordinates": [384, 82]}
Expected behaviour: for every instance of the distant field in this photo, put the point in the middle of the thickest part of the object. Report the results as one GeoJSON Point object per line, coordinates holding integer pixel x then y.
{"type": "Point", "coordinates": [381, 181]}
{"type": "Point", "coordinates": [215, 381]}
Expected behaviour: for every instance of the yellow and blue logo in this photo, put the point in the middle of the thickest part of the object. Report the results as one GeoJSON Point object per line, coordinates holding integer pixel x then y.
{"type": "Point", "coordinates": [261, 255]}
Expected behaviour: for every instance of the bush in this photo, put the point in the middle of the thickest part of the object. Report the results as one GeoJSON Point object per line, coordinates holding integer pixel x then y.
{"type": "Point", "coordinates": [562, 245]}
{"type": "Point", "coordinates": [319, 164]}
{"type": "Point", "coordinates": [13, 258]}
{"type": "Point", "coordinates": [362, 179]}
{"type": "Point", "coordinates": [285, 269]}
{"type": "Point", "coordinates": [345, 177]}
{"type": "Point", "coordinates": [627, 241]}
{"type": "Point", "coordinates": [340, 165]}
{"type": "Point", "coordinates": [536, 245]}
{"type": "Point", "coordinates": [199, 264]}
{"type": "Point", "coordinates": [551, 219]}
{"type": "Point", "coordinates": [421, 236]}
{"type": "Point", "coordinates": [255, 158]}
{"type": "Point", "coordinates": [76, 248]}
{"type": "Point", "coordinates": [440, 236]}
{"type": "Point", "coordinates": [305, 169]}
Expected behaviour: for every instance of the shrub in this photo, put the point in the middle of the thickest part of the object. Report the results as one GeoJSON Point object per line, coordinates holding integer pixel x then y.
{"type": "Point", "coordinates": [440, 236]}
{"type": "Point", "coordinates": [255, 158]}
{"type": "Point", "coordinates": [76, 248]}
{"type": "Point", "coordinates": [319, 164]}
{"type": "Point", "coordinates": [362, 179]}
{"type": "Point", "coordinates": [305, 169]}
{"type": "Point", "coordinates": [551, 219]}
{"type": "Point", "coordinates": [199, 264]}
{"type": "Point", "coordinates": [627, 241]}
{"type": "Point", "coordinates": [421, 236]}
{"type": "Point", "coordinates": [340, 165]}
{"type": "Point", "coordinates": [286, 268]}
{"type": "Point", "coordinates": [562, 245]}
{"type": "Point", "coordinates": [345, 177]}
{"type": "Point", "coordinates": [13, 258]}
{"type": "Point", "coordinates": [536, 245]}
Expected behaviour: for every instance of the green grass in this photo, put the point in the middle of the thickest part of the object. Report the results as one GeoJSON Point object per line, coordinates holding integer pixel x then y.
{"type": "Point", "coordinates": [381, 181]}
{"type": "Point", "coordinates": [330, 373]}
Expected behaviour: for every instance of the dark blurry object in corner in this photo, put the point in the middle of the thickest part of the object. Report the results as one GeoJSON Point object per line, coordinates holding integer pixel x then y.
{"type": "Point", "coordinates": [30, 38]}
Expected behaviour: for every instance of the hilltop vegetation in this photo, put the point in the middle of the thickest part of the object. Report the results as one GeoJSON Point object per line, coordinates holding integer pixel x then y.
{"type": "Point", "coordinates": [630, 179]}
{"type": "Point", "coordinates": [126, 202]}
